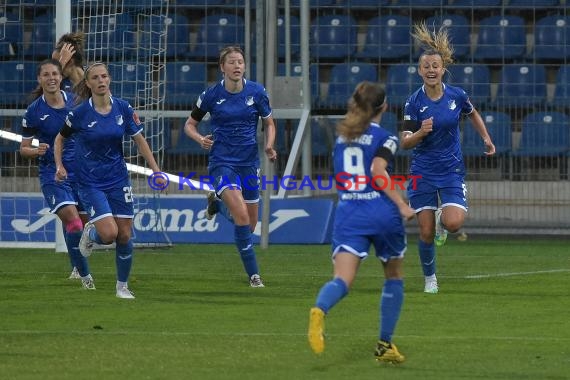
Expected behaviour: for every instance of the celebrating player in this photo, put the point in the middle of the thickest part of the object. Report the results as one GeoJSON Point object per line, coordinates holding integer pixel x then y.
{"type": "Point", "coordinates": [235, 105]}
{"type": "Point", "coordinates": [431, 127]}
{"type": "Point", "coordinates": [365, 216]}
{"type": "Point", "coordinates": [99, 124]}
{"type": "Point", "coordinates": [43, 119]}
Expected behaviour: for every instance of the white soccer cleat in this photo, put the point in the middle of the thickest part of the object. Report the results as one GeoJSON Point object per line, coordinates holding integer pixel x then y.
{"type": "Point", "coordinates": [125, 293]}
{"type": "Point", "coordinates": [86, 244]}
{"type": "Point", "coordinates": [255, 281]}
{"type": "Point", "coordinates": [74, 274]}
{"type": "Point", "coordinates": [88, 284]}
{"type": "Point", "coordinates": [431, 286]}
{"type": "Point", "coordinates": [440, 232]}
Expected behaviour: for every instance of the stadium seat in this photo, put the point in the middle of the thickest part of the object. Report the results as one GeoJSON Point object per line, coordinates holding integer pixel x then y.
{"type": "Point", "coordinates": [158, 137]}
{"type": "Point", "coordinates": [314, 3]}
{"type": "Point", "coordinates": [552, 38]}
{"type": "Point", "coordinates": [501, 38]}
{"type": "Point", "coordinates": [18, 79]}
{"type": "Point", "coordinates": [474, 79]}
{"type": "Point", "coordinates": [343, 79]}
{"type": "Point", "coordinates": [368, 4]}
{"type": "Point", "coordinates": [178, 36]}
{"type": "Point", "coordinates": [562, 89]}
{"type": "Point", "coordinates": [11, 35]}
{"type": "Point", "coordinates": [533, 4]}
{"type": "Point", "coordinates": [499, 127]}
{"type": "Point", "coordinates": [333, 37]}
{"type": "Point", "coordinates": [145, 4]}
{"type": "Point", "coordinates": [216, 32]}
{"type": "Point", "coordinates": [185, 81]}
{"type": "Point", "coordinates": [128, 80]}
{"type": "Point", "coordinates": [387, 38]}
{"type": "Point", "coordinates": [401, 81]}
{"type": "Point", "coordinates": [321, 137]}
{"type": "Point", "coordinates": [544, 134]}
{"type": "Point", "coordinates": [477, 3]}
{"type": "Point", "coordinates": [521, 86]}
{"type": "Point", "coordinates": [422, 3]}
{"type": "Point", "coordinates": [294, 34]}
{"type": "Point", "coordinates": [459, 29]}
{"type": "Point", "coordinates": [42, 40]}
{"type": "Point", "coordinates": [185, 145]}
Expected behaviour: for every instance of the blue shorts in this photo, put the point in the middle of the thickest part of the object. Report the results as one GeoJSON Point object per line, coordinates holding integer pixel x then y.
{"type": "Point", "coordinates": [244, 178]}
{"type": "Point", "coordinates": [117, 202]}
{"type": "Point", "coordinates": [360, 224]}
{"type": "Point", "coordinates": [60, 194]}
{"type": "Point", "coordinates": [425, 195]}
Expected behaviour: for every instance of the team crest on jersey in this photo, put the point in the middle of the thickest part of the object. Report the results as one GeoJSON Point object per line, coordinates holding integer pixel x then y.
{"type": "Point", "coordinates": [452, 105]}
{"type": "Point", "coordinates": [119, 119]}
{"type": "Point", "coordinates": [249, 101]}
{"type": "Point", "coordinates": [136, 118]}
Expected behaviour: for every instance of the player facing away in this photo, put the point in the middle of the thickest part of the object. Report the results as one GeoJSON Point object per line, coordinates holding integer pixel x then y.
{"type": "Point", "coordinates": [431, 126]}
{"type": "Point", "coordinates": [98, 124]}
{"type": "Point", "coordinates": [365, 216]}
{"type": "Point", "coordinates": [235, 106]}
{"type": "Point", "coordinates": [43, 119]}
{"type": "Point", "coordinates": [69, 51]}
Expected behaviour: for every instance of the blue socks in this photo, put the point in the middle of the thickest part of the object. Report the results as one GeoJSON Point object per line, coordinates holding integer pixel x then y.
{"type": "Point", "coordinates": [330, 294]}
{"type": "Point", "coordinates": [390, 307]}
{"type": "Point", "coordinates": [427, 257]}
{"type": "Point", "coordinates": [77, 260]}
{"type": "Point", "coordinates": [244, 244]}
{"type": "Point", "coordinates": [124, 260]}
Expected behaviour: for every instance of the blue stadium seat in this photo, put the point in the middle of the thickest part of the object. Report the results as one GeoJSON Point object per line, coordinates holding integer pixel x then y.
{"type": "Point", "coordinates": [216, 32]}
{"type": "Point", "coordinates": [294, 34]}
{"type": "Point", "coordinates": [459, 29]}
{"type": "Point", "coordinates": [552, 38]}
{"type": "Point", "coordinates": [422, 3]}
{"type": "Point", "coordinates": [344, 78]}
{"type": "Point", "coordinates": [178, 36]}
{"type": "Point", "coordinates": [401, 81]}
{"type": "Point", "coordinates": [145, 4]}
{"type": "Point", "coordinates": [113, 36]}
{"type": "Point", "coordinates": [562, 89]}
{"type": "Point", "coordinates": [200, 3]}
{"type": "Point", "coordinates": [390, 122]}
{"type": "Point", "coordinates": [533, 4]}
{"type": "Point", "coordinates": [321, 138]}
{"type": "Point", "coordinates": [10, 124]}
{"type": "Point", "coordinates": [501, 38]}
{"type": "Point", "coordinates": [474, 79]}
{"type": "Point", "coordinates": [333, 37]}
{"type": "Point", "coordinates": [368, 4]}
{"type": "Point", "coordinates": [185, 145]}
{"type": "Point", "coordinates": [499, 127]}
{"type": "Point", "coordinates": [185, 81]}
{"type": "Point", "coordinates": [11, 35]}
{"type": "Point", "coordinates": [314, 3]}
{"type": "Point", "coordinates": [521, 86]}
{"type": "Point", "coordinates": [387, 38]}
{"type": "Point", "coordinates": [477, 3]}
{"type": "Point", "coordinates": [18, 79]}
{"type": "Point", "coordinates": [152, 132]}
{"type": "Point", "coordinates": [42, 40]}
{"type": "Point", "coordinates": [128, 80]}
{"type": "Point", "coordinates": [544, 134]}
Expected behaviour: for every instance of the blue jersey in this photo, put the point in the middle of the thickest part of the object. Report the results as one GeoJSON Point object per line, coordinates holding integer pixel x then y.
{"type": "Point", "coordinates": [439, 153]}
{"type": "Point", "coordinates": [44, 122]}
{"type": "Point", "coordinates": [354, 158]}
{"type": "Point", "coordinates": [234, 118]}
{"type": "Point", "coordinates": [99, 142]}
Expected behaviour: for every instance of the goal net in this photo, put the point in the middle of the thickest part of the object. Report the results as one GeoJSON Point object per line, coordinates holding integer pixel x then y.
{"type": "Point", "coordinates": [130, 37]}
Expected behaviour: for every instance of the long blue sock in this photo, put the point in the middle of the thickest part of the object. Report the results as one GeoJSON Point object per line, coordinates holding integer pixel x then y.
{"type": "Point", "coordinates": [331, 293]}
{"type": "Point", "coordinates": [71, 259]}
{"type": "Point", "coordinates": [124, 260]}
{"type": "Point", "coordinates": [77, 259]}
{"type": "Point", "coordinates": [390, 307]}
{"type": "Point", "coordinates": [244, 244]}
{"type": "Point", "coordinates": [427, 257]}
{"type": "Point", "coordinates": [93, 235]}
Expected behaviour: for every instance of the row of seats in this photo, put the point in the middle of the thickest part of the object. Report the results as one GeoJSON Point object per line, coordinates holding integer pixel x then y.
{"type": "Point", "coordinates": [332, 37]}
{"type": "Point", "coordinates": [519, 85]}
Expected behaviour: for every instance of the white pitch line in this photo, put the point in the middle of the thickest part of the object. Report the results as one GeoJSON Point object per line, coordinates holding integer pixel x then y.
{"type": "Point", "coordinates": [491, 275]}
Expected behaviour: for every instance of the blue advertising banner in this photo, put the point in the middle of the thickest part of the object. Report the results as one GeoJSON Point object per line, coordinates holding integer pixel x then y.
{"type": "Point", "coordinates": [26, 218]}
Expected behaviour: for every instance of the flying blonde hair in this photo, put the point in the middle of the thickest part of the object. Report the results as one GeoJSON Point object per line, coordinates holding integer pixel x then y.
{"type": "Point", "coordinates": [434, 42]}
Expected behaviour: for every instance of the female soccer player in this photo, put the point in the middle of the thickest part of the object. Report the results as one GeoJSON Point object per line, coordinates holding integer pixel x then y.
{"type": "Point", "coordinates": [365, 215]}
{"type": "Point", "coordinates": [431, 127]}
{"type": "Point", "coordinates": [69, 52]}
{"type": "Point", "coordinates": [99, 123]}
{"type": "Point", "coordinates": [235, 105]}
{"type": "Point", "coordinates": [43, 119]}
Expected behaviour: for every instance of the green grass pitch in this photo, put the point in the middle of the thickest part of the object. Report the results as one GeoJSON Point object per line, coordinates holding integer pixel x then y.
{"type": "Point", "coordinates": [502, 313]}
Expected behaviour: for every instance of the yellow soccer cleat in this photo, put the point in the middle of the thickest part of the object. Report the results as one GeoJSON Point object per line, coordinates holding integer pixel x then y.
{"type": "Point", "coordinates": [316, 330]}
{"type": "Point", "coordinates": [388, 352]}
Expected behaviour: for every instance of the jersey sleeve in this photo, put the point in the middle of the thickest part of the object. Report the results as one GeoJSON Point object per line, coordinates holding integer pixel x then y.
{"type": "Point", "coordinates": [466, 107]}
{"type": "Point", "coordinates": [134, 125]}
{"type": "Point", "coordinates": [29, 123]}
{"type": "Point", "coordinates": [262, 103]}
{"type": "Point", "coordinates": [410, 116]}
{"type": "Point", "coordinates": [387, 147]}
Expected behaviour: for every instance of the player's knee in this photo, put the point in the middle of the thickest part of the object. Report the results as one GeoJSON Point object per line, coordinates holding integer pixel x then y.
{"type": "Point", "coordinates": [75, 225]}
{"type": "Point", "coordinates": [453, 225]}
